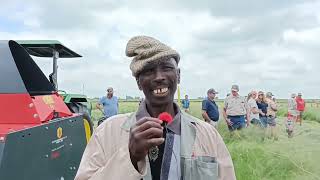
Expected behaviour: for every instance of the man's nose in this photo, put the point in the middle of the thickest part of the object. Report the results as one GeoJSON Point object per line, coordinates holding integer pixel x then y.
{"type": "Point", "coordinates": [159, 76]}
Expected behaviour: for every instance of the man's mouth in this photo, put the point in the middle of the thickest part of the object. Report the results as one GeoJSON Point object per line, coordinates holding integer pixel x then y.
{"type": "Point", "coordinates": [160, 92]}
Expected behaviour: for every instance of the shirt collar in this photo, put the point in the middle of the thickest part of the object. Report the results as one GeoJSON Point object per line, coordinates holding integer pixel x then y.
{"type": "Point", "coordinates": [210, 99]}
{"type": "Point", "coordinates": [174, 126]}
{"type": "Point", "coordinates": [238, 95]}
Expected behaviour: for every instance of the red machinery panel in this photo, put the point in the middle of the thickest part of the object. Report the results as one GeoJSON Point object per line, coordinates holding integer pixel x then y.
{"type": "Point", "coordinates": [50, 106]}
{"type": "Point", "coordinates": [22, 111]}
{"type": "Point", "coordinates": [19, 113]}
{"type": "Point", "coordinates": [18, 109]}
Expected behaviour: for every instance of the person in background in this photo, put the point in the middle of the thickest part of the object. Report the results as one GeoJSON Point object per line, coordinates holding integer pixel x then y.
{"type": "Point", "coordinates": [289, 122]}
{"type": "Point", "coordinates": [301, 105]}
{"type": "Point", "coordinates": [235, 110]}
{"type": "Point", "coordinates": [292, 106]}
{"type": "Point", "coordinates": [291, 116]}
{"type": "Point", "coordinates": [271, 114]}
{"type": "Point", "coordinates": [253, 108]}
{"type": "Point", "coordinates": [210, 110]}
{"type": "Point", "coordinates": [185, 103]}
{"type": "Point", "coordinates": [262, 108]}
{"type": "Point", "coordinates": [108, 104]}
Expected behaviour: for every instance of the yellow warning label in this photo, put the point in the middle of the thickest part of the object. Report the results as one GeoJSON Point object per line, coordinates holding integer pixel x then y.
{"type": "Point", "coordinates": [59, 132]}
{"type": "Point", "coordinates": [48, 100]}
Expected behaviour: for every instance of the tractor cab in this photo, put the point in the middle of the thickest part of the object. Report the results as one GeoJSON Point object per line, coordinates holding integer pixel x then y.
{"type": "Point", "coordinates": [50, 49]}
{"type": "Point", "coordinates": [41, 137]}
{"type": "Point", "coordinates": [77, 103]}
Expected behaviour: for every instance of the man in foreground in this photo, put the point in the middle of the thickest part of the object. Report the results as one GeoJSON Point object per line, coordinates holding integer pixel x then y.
{"type": "Point", "coordinates": [108, 104]}
{"type": "Point", "coordinates": [139, 145]}
{"type": "Point", "coordinates": [235, 110]}
{"type": "Point", "coordinates": [210, 110]}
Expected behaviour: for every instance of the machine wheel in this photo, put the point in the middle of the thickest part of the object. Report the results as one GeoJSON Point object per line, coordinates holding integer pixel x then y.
{"type": "Point", "coordinates": [78, 107]}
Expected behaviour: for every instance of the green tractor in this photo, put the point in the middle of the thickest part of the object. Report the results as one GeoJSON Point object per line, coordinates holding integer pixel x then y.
{"type": "Point", "coordinates": [77, 103]}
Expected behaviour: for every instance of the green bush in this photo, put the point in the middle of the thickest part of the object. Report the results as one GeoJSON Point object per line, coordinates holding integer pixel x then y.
{"type": "Point", "coordinates": [311, 116]}
{"type": "Point", "coordinates": [311, 113]}
{"type": "Point", "coordinates": [282, 112]}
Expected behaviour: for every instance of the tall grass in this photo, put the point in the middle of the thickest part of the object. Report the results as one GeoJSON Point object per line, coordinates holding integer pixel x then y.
{"type": "Point", "coordinates": [312, 113]}
{"type": "Point", "coordinates": [257, 157]}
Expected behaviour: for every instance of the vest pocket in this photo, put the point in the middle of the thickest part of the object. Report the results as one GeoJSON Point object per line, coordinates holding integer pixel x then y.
{"type": "Point", "coordinates": [201, 168]}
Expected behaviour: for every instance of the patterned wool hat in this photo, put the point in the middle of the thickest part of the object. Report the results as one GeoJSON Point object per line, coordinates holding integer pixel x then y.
{"type": "Point", "coordinates": [146, 49]}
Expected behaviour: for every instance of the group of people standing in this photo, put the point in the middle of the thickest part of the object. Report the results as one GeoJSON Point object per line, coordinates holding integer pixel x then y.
{"type": "Point", "coordinates": [263, 108]}
{"type": "Point", "coordinates": [257, 108]}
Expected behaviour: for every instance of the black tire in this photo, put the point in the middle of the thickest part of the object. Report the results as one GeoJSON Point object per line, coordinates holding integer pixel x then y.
{"type": "Point", "coordinates": [78, 107]}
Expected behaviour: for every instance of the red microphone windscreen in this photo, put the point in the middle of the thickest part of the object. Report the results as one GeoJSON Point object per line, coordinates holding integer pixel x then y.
{"type": "Point", "coordinates": [165, 117]}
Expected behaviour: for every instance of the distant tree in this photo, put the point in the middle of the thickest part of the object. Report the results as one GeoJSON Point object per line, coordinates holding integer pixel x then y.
{"type": "Point", "coordinates": [129, 97]}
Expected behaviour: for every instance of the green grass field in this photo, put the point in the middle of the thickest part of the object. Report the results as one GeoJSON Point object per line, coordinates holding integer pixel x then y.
{"type": "Point", "coordinates": [256, 157]}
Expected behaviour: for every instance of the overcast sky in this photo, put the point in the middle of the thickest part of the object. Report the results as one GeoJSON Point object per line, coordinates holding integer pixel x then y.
{"type": "Point", "coordinates": [268, 45]}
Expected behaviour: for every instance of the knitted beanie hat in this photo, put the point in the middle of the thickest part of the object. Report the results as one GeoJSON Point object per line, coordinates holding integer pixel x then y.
{"type": "Point", "coordinates": [146, 49]}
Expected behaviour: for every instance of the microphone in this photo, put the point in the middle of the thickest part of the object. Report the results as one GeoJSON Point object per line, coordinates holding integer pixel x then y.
{"type": "Point", "coordinates": [165, 117]}
{"type": "Point", "coordinates": [154, 151]}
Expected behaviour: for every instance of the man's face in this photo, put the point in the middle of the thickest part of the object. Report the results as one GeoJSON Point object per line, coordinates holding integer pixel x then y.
{"type": "Point", "coordinates": [158, 81]}
{"type": "Point", "coordinates": [254, 95]}
{"type": "Point", "coordinates": [234, 93]}
{"type": "Point", "coordinates": [211, 96]}
{"type": "Point", "coordinates": [186, 97]}
{"type": "Point", "coordinates": [110, 92]}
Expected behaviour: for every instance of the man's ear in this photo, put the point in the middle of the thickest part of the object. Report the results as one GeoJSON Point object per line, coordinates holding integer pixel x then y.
{"type": "Point", "coordinates": [178, 75]}
{"type": "Point", "coordinates": [138, 83]}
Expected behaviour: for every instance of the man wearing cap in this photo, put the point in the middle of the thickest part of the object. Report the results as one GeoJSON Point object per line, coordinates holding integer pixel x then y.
{"type": "Point", "coordinates": [301, 105]}
{"type": "Point", "coordinates": [235, 110]}
{"type": "Point", "coordinates": [210, 111]}
{"type": "Point", "coordinates": [108, 104]}
{"type": "Point", "coordinates": [141, 146]}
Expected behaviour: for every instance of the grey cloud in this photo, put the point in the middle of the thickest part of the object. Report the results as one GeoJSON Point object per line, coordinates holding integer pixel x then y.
{"type": "Point", "coordinates": [242, 8]}
{"type": "Point", "coordinates": [221, 42]}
